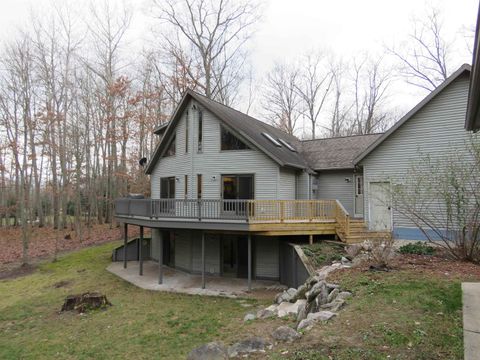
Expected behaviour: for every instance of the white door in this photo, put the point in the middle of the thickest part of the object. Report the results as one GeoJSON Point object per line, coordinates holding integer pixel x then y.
{"type": "Point", "coordinates": [359, 195]}
{"type": "Point", "coordinates": [380, 206]}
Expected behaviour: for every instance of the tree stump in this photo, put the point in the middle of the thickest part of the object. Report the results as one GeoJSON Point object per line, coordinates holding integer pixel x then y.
{"type": "Point", "coordinates": [84, 302]}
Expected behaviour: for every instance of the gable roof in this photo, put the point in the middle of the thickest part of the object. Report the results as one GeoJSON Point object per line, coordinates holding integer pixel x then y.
{"type": "Point", "coordinates": [465, 68]}
{"type": "Point", "coordinates": [246, 126]}
{"type": "Point", "coordinates": [336, 153]}
{"type": "Point", "coordinates": [472, 121]}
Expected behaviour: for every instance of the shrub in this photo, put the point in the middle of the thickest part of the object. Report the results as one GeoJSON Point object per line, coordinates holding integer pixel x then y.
{"type": "Point", "coordinates": [418, 248]}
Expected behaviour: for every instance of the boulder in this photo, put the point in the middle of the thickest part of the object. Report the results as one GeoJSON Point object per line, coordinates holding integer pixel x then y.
{"type": "Point", "coordinates": [288, 295]}
{"type": "Point", "coordinates": [344, 295]}
{"type": "Point", "coordinates": [334, 306]}
{"type": "Point", "coordinates": [285, 309]}
{"type": "Point", "coordinates": [249, 317]}
{"type": "Point", "coordinates": [314, 291]}
{"type": "Point", "coordinates": [302, 289]}
{"type": "Point", "coordinates": [270, 311]}
{"type": "Point", "coordinates": [304, 310]}
{"type": "Point", "coordinates": [285, 333]}
{"type": "Point", "coordinates": [312, 318]}
{"type": "Point", "coordinates": [249, 345]}
{"type": "Point", "coordinates": [345, 261]}
{"type": "Point", "coordinates": [210, 351]}
{"type": "Point", "coordinates": [333, 295]}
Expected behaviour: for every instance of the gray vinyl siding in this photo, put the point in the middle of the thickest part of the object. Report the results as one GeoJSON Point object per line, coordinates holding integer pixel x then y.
{"type": "Point", "coordinates": [287, 184]}
{"type": "Point", "coordinates": [266, 257]}
{"type": "Point", "coordinates": [183, 250]}
{"type": "Point", "coordinates": [332, 185]}
{"type": "Point", "coordinates": [155, 244]}
{"type": "Point", "coordinates": [435, 130]}
{"type": "Point", "coordinates": [212, 162]}
{"type": "Point", "coordinates": [303, 186]}
{"type": "Point", "coordinates": [212, 254]}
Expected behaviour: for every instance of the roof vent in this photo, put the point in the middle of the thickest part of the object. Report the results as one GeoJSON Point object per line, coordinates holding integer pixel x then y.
{"type": "Point", "coordinates": [272, 140]}
{"type": "Point", "coordinates": [287, 145]}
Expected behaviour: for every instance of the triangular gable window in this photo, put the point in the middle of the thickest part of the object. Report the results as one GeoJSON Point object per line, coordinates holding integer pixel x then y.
{"type": "Point", "coordinates": [171, 148]}
{"type": "Point", "coordinates": [231, 142]}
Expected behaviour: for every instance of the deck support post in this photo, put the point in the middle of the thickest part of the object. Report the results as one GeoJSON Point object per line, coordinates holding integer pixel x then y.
{"type": "Point", "coordinates": [203, 260]}
{"type": "Point", "coordinates": [249, 262]}
{"type": "Point", "coordinates": [140, 252]}
{"type": "Point", "coordinates": [310, 239]}
{"type": "Point", "coordinates": [125, 241]}
{"type": "Point", "coordinates": [160, 260]}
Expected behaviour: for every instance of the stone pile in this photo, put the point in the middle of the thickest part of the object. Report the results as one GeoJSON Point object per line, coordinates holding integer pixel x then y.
{"type": "Point", "coordinates": [316, 300]}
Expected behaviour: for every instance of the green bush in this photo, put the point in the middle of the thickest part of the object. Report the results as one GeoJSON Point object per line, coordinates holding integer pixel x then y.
{"type": "Point", "coordinates": [418, 248]}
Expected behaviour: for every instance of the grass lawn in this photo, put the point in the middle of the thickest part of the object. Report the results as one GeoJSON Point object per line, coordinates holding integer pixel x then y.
{"type": "Point", "coordinates": [140, 325]}
{"type": "Point", "coordinates": [413, 312]}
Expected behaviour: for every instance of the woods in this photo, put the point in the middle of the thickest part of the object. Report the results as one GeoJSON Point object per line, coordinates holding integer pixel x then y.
{"type": "Point", "coordinates": [77, 110]}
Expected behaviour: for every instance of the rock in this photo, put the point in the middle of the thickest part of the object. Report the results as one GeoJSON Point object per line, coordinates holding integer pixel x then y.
{"type": "Point", "coordinates": [312, 280]}
{"type": "Point", "coordinates": [314, 291]}
{"type": "Point", "coordinates": [285, 309]}
{"type": "Point", "coordinates": [312, 318]}
{"type": "Point", "coordinates": [210, 351]}
{"type": "Point", "coordinates": [270, 311]}
{"type": "Point", "coordinates": [250, 345]}
{"type": "Point", "coordinates": [332, 286]}
{"type": "Point", "coordinates": [302, 289]}
{"type": "Point", "coordinates": [333, 295]}
{"type": "Point", "coordinates": [334, 306]}
{"type": "Point", "coordinates": [249, 317]}
{"type": "Point", "coordinates": [324, 271]}
{"type": "Point", "coordinates": [289, 296]}
{"type": "Point", "coordinates": [345, 261]}
{"type": "Point", "coordinates": [304, 310]}
{"type": "Point", "coordinates": [285, 333]}
{"type": "Point", "coordinates": [344, 295]}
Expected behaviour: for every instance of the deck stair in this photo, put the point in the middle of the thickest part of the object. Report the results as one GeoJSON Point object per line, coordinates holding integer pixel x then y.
{"type": "Point", "coordinates": [358, 232]}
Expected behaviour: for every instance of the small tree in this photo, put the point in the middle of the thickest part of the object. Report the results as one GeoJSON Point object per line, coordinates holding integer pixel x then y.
{"type": "Point", "coordinates": [441, 196]}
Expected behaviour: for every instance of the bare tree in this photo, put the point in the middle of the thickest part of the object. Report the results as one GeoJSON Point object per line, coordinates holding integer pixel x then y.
{"type": "Point", "coordinates": [281, 100]}
{"type": "Point", "coordinates": [371, 83]}
{"type": "Point", "coordinates": [338, 124]}
{"type": "Point", "coordinates": [210, 36]}
{"type": "Point", "coordinates": [424, 58]}
{"type": "Point", "coordinates": [314, 86]}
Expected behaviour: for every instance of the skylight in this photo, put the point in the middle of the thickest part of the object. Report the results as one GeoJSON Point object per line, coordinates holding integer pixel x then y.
{"type": "Point", "coordinates": [287, 145]}
{"type": "Point", "coordinates": [274, 142]}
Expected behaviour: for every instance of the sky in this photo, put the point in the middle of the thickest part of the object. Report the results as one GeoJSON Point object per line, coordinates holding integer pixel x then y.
{"type": "Point", "coordinates": [289, 28]}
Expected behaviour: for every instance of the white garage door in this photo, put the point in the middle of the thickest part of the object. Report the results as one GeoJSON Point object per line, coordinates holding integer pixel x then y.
{"type": "Point", "coordinates": [380, 206]}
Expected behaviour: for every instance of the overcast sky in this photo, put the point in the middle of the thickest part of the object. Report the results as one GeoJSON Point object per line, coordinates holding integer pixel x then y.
{"type": "Point", "coordinates": [292, 27]}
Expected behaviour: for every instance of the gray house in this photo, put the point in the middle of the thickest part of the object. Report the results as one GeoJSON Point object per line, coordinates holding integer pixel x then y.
{"type": "Point", "coordinates": [435, 127]}
{"type": "Point", "coordinates": [231, 194]}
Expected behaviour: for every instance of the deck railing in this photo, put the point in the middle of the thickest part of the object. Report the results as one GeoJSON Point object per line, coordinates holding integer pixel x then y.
{"type": "Point", "coordinates": [255, 211]}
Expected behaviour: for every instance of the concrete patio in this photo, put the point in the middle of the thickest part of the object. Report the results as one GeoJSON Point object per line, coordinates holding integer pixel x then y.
{"type": "Point", "coordinates": [185, 283]}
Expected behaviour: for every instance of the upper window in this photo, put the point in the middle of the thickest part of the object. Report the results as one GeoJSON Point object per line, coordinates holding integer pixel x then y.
{"type": "Point", "coordinates": [230, 141]}
{"type": "Point", "coordinates": [187, 124]}
{"type": "Point", "coordinates": [171, 148]}
{"type": "Point", "coordinates": [200, 130]}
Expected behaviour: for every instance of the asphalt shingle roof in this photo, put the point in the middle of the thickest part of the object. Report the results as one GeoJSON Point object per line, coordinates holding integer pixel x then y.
{"type": "Point", "coordinates": [336, 153]}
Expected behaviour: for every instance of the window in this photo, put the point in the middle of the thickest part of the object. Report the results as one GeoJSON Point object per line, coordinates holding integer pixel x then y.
{"type": "Point", "coordinates": [186, 186]}
{"type": "Point", "coordinates": [272, 140]}
{"type": "Point", "coordinates": [230, 141]}
{"type": "Point", "coordinates": [359, 185]}
{"type": "Point", "coordinates": [200, 130]}
{"type": "Point", "coordinates": [287, 145]}
{"type": "Point", "coordinates": [167, 187]}
{"type": "Point", "coordinates": [187, 124]}
{"type": "Point", "coordinates": [237, 187]}
{"type": "Point", "coordinates": [171, 147]}
{"type": "Point", "coordinates": [199, 186]}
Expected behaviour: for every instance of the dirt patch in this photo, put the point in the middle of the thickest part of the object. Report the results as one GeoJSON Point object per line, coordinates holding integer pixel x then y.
{"type": "Point", "coordinates": [61, 284]}
{"type": "Point", "coordinates": [15, 271]}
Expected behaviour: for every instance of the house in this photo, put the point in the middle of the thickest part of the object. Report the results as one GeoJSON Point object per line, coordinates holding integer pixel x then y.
{"type": "Point", "coordinates": [230, 195]}
{"type": "Point", "coordinates": [434, 127]}
{"type": "Point", "coordinates": [473, 111]}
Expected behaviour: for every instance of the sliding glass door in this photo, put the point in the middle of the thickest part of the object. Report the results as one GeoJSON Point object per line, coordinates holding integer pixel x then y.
{"type": "Point", "coordinates": [237, 187]}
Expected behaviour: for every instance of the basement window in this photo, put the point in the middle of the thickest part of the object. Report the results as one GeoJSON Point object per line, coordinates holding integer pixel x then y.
{"type": "Point", "coordinates": [272, 140]}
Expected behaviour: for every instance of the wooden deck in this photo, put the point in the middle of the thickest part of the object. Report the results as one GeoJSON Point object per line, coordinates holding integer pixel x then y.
{"type": "Point", "coordinates": [261, 217]}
